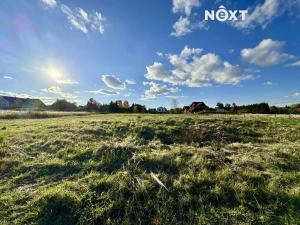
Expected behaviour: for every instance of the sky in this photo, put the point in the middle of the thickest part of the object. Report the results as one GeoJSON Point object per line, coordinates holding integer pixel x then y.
{"type": "Point", "coordinates": [150, 52]}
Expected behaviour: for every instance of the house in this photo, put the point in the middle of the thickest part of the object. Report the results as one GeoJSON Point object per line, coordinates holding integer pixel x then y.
{"type": "Point", "coordinates": [4, 104]}
{"type": "Point", "coordinates": [7, 102]}
{"type": "Point", "coordinates": [161, 109]}
{"type": "Point", "coordinates": [195, 107]}
{"type": "Point", "coordinates": [33, 104]}
{"type": "Point", "coordinates": [186, 109]}
{"type": "Point", "coordinates": [152, 110]}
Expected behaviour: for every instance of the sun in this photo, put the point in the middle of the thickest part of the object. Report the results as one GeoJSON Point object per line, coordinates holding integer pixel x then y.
{"type": "Point", "coordinates": [54, 73]}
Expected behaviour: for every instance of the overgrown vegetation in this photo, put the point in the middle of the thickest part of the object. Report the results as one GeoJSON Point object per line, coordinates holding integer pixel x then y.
{"type": "Point", "coordinates": [150, 169]}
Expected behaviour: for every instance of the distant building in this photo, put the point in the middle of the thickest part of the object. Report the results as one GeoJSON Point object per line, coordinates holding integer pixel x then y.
{"type": "Point", "coordinates": [7, 102]}
{"type": "Point", "coordinates": [4, 104]}
{"type": "Point", "coordinates": [186, 109]}
{"type": "Point", "coordinates": [195, 107]}
{"type": "Point", "coordinates": [152, 110]}
{"type": "Point", "coordinates": [161, 109]}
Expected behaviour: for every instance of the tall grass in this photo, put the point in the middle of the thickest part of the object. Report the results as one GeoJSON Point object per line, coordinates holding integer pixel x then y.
{"type": "Point", "coordinates": [7, 114]}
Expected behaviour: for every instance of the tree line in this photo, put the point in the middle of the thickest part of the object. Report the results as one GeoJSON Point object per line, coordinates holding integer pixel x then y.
{"type": "Point", "coordinates": [120, 106]}
{"type": "Point", "coordinates": [94, 106]}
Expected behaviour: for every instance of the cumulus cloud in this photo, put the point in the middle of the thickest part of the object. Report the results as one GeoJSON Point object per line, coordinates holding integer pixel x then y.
{"type": "Point", "coordinates": [297, 94]}
{"type": "Point", "coordinates": [184, 26]}
{"type": "Point", "coordinates": [82, 20]}
{"type": "Point", "coordinates": [58, 91]}
{"type": "Point", "coordinates": [157, 71]}
{"type": "Point", "coordinates": [105, 92]}
{"type": "Point", "coordinates": [181, 27]}
{"type": "Point", "coordinates": [266, 53]}
{"type": "Point", "coordinates": [8, 77]}
{"type": "Point", "coordinates": [113, 82]}
{"type": "Point", "coordinates": [185, 6]}
{"type": "Point", "coordinates": [50, 3]}
{"type": "Point", "coordinates": [293, 64]}
{"type": "Point", "coordinates": [156, 89]}
{"type": "Point", "coordinates": [194, 69]}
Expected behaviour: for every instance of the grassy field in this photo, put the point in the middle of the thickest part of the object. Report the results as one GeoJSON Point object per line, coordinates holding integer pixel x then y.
{"type": "Point", "coordinates": [150, 169]}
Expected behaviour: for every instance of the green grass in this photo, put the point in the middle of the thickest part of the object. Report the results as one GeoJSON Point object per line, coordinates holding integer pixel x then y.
{"type": "Point", "coordinates": [10, 114]}
{"type": "Point", "coordinates": [150, 169]}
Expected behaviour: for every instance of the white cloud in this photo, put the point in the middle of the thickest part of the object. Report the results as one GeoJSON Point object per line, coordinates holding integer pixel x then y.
{"type": "Point", "coordinates": [156, 89]}
{"type": "Point", "coordinates": [157, 71]}
{"type": "Point", "coordinates": [50, 3]}
{"type": "Point", "coordinates": [66, 81]}
{"type": "Point", "coordinates": [185, 6]}
{"type": "Point", "coordinates": [104, 92]}
{"type": "Point", "coordinates": [14, 94]}
{"type": "Point", "coordinates": [231, 51]}
{"type": "Point", "coordinates": [84, 21]}
{"type": "Point", "coordinates": [185, 24]}
{"type": "Point", "coordinates": [266, 53]}
{"type": "Point", "coordinates": [297, 94]}
{"type": "Point", "coordinates": [160, 54]}
{"type": "Point", "coordinates": [58, 91]}
{"type": "Point", "coordinates": [8, 77]}
{"type": "Point", "coordinates": [262, 15]}
{"type": "Point", "coordinates": [293, 64]}
{"type": "Point", "coordinates": [181, 27]}
{"type": "Point", "coordinates": [98, 22]}
{"type": "Point", "coordinates": [268, 83]}
{"type": "Point", "coordinates": [130, 81]}
{"type": "Point", "coordinates": [193, 69]}
{"type": "Point", "coordinates": [45, 99]}
{"type": "Point", "coordinates": [75, 19]}
{"type": "Point", "coordinates": [112, 81]}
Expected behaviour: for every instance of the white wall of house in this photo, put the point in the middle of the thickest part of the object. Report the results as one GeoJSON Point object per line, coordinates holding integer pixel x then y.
{"type": "Point", "coordinates": [161, 109]}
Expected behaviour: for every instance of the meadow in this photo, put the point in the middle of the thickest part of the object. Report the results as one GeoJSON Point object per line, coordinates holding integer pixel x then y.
{"type": "Point", "coordinates": [150, 169]}
{"type": "Point", "coordinates": [13, 114]}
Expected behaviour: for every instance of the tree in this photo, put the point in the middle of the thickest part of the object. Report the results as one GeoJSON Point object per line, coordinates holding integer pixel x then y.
{"type": "Point", "coordinates": [227, 107]}
{"type": "Point", "coordinates": [125, 104]}
{"type": "Point", "coordinates": [137, 108]}
{"type": "Point", "coordinates": [63, 105]}
{"type": "Point", "coordinates": [274, 110]}
{"type": "Point", "coordinates": [119, 104]}
{"type": "Point", "coordinates": [92, 105]}
{"type": "Point", "coordinates": [176, 111]}
{"type": "Point", "coordinates": [220, 105]}
{"type": "Point", "coordinates": [234, 107]}
{"type": "Point", "coordinates": [113, 107]}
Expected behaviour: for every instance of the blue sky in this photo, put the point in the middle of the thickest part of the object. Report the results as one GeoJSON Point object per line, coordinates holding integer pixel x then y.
{"type": "Point", "coordinates": [150, 52]}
